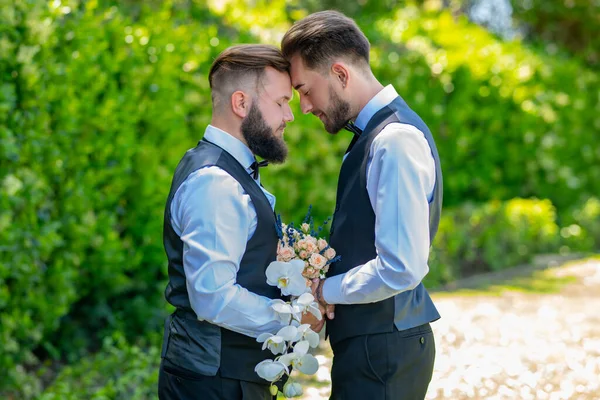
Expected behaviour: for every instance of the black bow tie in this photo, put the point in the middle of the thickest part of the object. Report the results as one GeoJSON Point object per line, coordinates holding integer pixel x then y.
{"type": "Point", "coordinates": [256, 165]}
{"type": "Point", "coordinates": [357, 132]}
{"type": "Point", "coordinates": [353, 128]}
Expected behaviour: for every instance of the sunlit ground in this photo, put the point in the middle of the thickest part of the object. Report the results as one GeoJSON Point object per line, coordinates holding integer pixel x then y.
{"type": "Point", "coordinates": [521, 337]}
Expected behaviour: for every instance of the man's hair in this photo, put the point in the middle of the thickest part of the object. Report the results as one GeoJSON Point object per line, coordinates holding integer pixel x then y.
{"type": "Point", "coordinates": [324, 35]}
{"type": "Point", "coordinates": [243, 67]}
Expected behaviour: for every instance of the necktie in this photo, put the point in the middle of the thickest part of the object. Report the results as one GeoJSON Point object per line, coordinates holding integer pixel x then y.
{"type": "Point", "coordinates": [255, 166]}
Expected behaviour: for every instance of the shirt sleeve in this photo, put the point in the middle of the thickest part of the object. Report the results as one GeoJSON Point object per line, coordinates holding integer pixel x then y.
{"type": "Point", "coordinates": [215, 218]}
{"type": "Point", "coordinates": [400, 182]}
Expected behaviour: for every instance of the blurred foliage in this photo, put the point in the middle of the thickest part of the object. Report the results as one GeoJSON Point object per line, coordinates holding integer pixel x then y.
{"type": "Point", "coordinates": [99, 100]}
{"type": "Point", "coordinates": [95, 111]}
{"type": "Point", "coordinates": [553, 26]}
{"type": "Point", "coordinates": [119, 371]}
{"type": "Point", "coordinates": [509, 121]}
{"type": "Point", "coordinates": [568, 24]}
{"type": "Point", "coordinates": [581, 227]}
{"type": "Point", "coordinates": [489, 237]}
{"type": "Point", "coordinates": [478, 238]}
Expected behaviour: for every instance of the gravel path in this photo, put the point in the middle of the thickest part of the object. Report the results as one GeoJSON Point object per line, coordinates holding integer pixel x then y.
{"type": "Point", "coordinates": [506, 344]}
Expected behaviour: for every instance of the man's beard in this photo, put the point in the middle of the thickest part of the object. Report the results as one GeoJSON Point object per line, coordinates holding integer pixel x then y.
{"type": "Point", "coordinates": [337, 115]}
{"type": "Point", "coordinates": [260, 137]}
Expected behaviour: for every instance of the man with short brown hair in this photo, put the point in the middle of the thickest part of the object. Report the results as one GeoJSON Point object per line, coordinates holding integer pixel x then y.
{"type": "Point", "coordinates": [220, 234]}
{"type": "Point", "coordinates": [387, 212]}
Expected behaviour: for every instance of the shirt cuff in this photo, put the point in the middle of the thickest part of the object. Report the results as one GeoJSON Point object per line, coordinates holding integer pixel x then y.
{"type": "Point", "coordinates": [332, 290]}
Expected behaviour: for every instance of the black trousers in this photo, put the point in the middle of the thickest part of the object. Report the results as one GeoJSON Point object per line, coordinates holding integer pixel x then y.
{"type": "Point", "coordinates": [177, 384]}
{"type": "Point", "coordinates": [386, 366]}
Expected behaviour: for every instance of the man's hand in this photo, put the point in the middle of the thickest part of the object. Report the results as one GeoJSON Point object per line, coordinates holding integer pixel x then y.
{"type": "Point", "coordinates": [314, 323]}
{"type": "Point", "coordinates": [317, 291]}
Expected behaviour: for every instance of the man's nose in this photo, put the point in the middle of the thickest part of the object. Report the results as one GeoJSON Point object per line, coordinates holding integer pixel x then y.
{"type": "Point", "coordinates": [289, 115]}
{"type": "Point", "coordinates": [305, 105]}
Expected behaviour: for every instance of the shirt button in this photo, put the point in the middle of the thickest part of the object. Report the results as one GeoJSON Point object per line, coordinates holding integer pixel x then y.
{"type": "Point", "coordinates": [422, 340]}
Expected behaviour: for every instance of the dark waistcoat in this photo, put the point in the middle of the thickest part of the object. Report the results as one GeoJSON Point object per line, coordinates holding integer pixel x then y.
{"type": "Point", "coordinates": [199, 346]}
{"type": "Point", "coordinates": [353, 236]}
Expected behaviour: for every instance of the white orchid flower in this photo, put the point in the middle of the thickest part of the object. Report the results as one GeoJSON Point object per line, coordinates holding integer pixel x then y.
{"type": "Point", "coordinates": [307, 334]}
{"type": "Point", "coordinates": [300, 359]}
{"type": "Point", "coordinates": [301, 347]}
{"type": "Point", "coordinates": [288, 333]}
{"type": "Point", "coordinates": [287, 276]}
{"type": "Point", "coordinates": [271, 370]}
{"type": "Point", "coordinates": [306, 303]}
{"type": "Point", "coordinates": [292, 389]}
{"type": "Point", "coordinates": [307, 364]}
{"type": "Point", "coordinates": [275, 343]}
{"type": "Point", "coordinates": [284, 310]}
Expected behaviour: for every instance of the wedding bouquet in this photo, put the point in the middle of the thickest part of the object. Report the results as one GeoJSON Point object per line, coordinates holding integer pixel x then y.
{"type": "Point", "coordinates": [304, 244]}
{"type": "Point", "coordinates": [301, 257]}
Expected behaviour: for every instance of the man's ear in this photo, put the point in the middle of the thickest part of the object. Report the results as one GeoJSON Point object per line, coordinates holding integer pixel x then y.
{"type": "Point", "coordinates": [240, 103]}
{"type": "Point", "coordinates": [341, 73]}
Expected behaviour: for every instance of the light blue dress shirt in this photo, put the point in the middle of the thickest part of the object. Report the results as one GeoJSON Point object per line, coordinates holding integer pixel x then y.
{"type": "Point", "coordinates": [400, 182]}
{"type": "Point", "coordinates": [215, 218]}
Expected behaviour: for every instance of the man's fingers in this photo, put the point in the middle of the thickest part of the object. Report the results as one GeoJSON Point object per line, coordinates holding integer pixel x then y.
{"type": "Point", "coordinates": [330, 310]}
{"type": "Point", "coordinates": [314, 284]}
{"type": "Point", "coordinates": [318, 326]}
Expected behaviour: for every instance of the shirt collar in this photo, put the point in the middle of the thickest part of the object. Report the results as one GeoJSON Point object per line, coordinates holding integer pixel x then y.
{"type": "Point", "coordinates": [381, 99]}
{"type": "Point", "coordinates": [230, 144]}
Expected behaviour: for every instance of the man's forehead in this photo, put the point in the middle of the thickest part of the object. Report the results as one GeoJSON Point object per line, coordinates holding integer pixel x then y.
{"type": "Point", "coordinates": [274, 77]}
{"type": "Point", "coordinates": [297, 71]}
{"type": "Point", "coordinates": [277, 83]}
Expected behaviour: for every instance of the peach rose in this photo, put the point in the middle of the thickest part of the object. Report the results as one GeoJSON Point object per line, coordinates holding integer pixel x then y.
{"type": "Point", "coordinates": [329, 253]}
{"type": "Point", "coordinates": [308, 272]}
{"type": "Point", "coordinates": [318, 261]}
{"type": "Point", "coordinates": [311, 247]}
{"type": "Point", "coordinates": [311, 239]}
{"type": "Point", "coordinates": [305, 227]}
{"type": "Point", "coordinates": [301, 244]}
{"type": "Point", "coordinates": [286, 253]}
{"type": "Point", "coordinates": [311, 273]}
{"type": "Point", "coordinates": [322, 243]}
{"type": "Point", "coordinates": [303, 254]}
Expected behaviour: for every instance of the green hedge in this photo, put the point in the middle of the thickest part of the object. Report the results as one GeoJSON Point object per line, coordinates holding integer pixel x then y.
{"type": "Point", "coordinates": [581, 227]}
{"type": "Point", "coordinates": [509, 121]}
{"type": "Point", "coordinates": [479, 238]}
{"type": "Point", "coordinates": [118, 371]}
{"type": "Point", "coordinates": [496, 235]}
{"type": "Point", "coordinates": [95, 110]}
